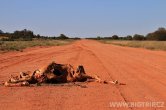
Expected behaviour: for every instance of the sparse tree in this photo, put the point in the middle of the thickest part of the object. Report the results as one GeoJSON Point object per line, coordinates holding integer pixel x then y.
{"type": "Point", "coordinates": [23, 34]}
{"type": "Point", "coordinates": [98, 38]}
{"type": "Point", "coordinates": [138, 37]}
{"type": "Point", "coordinates": [129, 37]}
{"type": "Point", "coordinates": [1, 32]}
{"type": "Point", "coordinates": [62, 36]}
{"type": "Point", "coordinates": [115, 37]}
{"type": "Point", "coordinates": [159, 35]}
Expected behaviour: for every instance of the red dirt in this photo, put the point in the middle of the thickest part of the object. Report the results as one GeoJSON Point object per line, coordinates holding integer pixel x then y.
{"type": "Point", "coordinates": [143, 71]}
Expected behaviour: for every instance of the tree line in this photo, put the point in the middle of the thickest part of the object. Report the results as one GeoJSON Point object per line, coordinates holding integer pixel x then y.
{"type": "Point", "coordinates": [27, 35]}
{"type": "Point", "coordinates": [158, 35]}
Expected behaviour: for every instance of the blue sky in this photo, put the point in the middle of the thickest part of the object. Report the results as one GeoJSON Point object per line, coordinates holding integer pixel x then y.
{"type": "Point", "coordinates": [83, 18]}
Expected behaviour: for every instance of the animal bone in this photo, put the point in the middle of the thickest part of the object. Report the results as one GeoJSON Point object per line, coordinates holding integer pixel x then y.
{"type": "Point", "coordinates": [9, 84]}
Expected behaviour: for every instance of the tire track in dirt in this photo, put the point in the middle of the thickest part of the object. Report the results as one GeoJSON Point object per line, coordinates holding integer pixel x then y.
{"type": "Point", "coordinates": [106, 71]}
{"type": "Point", "coordinates": [35, 57]}
{"type": "Point", "coordinates": [23, 58]}
{"type": "Point", "coordinates": [143, 79]}
{"type": "Point", "coordinates": [147, 85]}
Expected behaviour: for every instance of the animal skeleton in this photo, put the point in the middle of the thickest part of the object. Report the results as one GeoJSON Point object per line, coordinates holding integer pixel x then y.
{"type": "Point", "coordinates": [54, 73]}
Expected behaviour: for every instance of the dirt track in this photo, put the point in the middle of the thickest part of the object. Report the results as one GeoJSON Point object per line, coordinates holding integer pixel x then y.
{"type": "Point", "coordinates": [143, 71]}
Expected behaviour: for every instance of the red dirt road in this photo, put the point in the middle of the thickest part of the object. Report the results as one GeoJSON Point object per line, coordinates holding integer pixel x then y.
{"type": "Point", "coordinates": [143, 71]}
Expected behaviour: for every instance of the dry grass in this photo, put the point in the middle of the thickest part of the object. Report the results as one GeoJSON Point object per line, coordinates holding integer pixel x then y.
{"type": "Point", "coordinates": [20, 45]}
{"type": "Point", "coordinates": [152, 45]}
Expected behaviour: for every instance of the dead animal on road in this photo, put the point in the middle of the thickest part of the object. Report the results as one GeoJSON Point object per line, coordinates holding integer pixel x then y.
{"type": "Point", "coordinates": [54, 73]}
